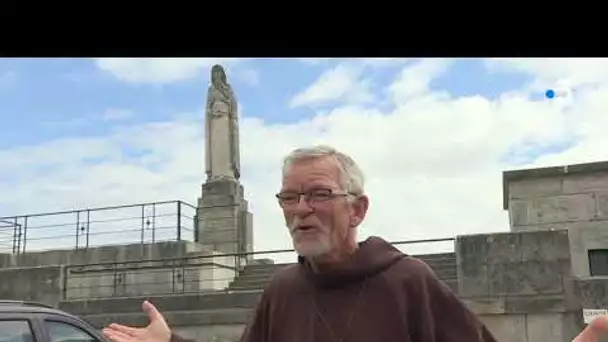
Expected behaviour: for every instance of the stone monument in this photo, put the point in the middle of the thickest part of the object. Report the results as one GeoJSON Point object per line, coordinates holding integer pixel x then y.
{"type": "Point", "coordinates": [221, 129]}
{"type": "Point", "coordinates": [223, 220]}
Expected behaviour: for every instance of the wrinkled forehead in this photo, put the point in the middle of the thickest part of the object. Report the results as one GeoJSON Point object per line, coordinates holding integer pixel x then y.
{"type": "Point", "coordinates": [310, 172]}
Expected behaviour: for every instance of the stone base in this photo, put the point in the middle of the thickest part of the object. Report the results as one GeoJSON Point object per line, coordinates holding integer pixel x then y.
{"type": "Point", "coordinates": [223, 221]}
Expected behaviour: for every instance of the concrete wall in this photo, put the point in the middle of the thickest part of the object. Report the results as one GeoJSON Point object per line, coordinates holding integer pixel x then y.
{"type": "Point", "coordinates": [42, 284]}
{"type": "Point", "coordinates": [520, 284]}
{"type": "Point", "coordinates": [203, 271]}
{"type": "Point", "coordinates": [557, 197]}
{"type": "Point", "coordinates": [104, 254]}
{"type": "Point", "coordinates": [573, 197]}
{"type": "Point", "coordinates": [224, 223]}
{"type": "Point", "coordinates": [141, 270]}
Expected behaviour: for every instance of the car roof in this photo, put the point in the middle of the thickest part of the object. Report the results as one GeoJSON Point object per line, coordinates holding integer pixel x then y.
{"type": "Point", "coordinates": [7, 306]}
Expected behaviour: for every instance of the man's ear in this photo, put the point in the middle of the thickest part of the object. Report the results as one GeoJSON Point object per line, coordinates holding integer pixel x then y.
{"type": "Point", "coordinates": [359, 207]}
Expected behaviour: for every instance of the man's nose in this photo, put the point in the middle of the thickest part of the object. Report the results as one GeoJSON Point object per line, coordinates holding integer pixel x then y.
{"type": "Point", "coordinates": [302, 206]}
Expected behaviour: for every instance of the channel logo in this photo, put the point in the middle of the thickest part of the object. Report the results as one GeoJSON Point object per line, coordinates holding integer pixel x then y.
{"type": "Point", "coordinates": [560, 90]}
{"type": "Point", "coordinates": [553, 93]}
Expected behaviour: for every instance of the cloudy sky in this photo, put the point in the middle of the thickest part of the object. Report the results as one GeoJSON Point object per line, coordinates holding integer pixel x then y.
{"type": "Point", "coordinates": [432, 135]}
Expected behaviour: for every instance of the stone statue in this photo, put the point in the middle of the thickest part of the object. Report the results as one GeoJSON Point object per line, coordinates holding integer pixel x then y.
{"type": "Point", "coordinates": [221, 129]}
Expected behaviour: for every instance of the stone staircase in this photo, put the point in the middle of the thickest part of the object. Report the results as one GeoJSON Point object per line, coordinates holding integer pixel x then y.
{"type": "Point", "coordinates": [180, 310]}
{"type": "Point", "coordinates": [221, 308]}
{"type": "Point", "coordinates": [255, 276]}
{"type": "Point", "coordinates": [232, 307]}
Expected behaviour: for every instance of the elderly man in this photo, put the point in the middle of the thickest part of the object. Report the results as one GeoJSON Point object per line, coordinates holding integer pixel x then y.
{"type": "Point", "coordinates": [341, 290]}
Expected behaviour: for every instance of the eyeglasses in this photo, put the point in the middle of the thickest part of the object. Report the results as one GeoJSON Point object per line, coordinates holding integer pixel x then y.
{"type": "Point", "coordinates": [311, 196]}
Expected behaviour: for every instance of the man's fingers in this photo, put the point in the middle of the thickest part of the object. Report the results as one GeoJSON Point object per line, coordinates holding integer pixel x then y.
{"type": "Point", "coordinates": [118, 336]}
{"type": "Point", "coordinates": [124, 329]}
{"type": "Point", "coordinates": [152, 312]}
{"type": "Point", "coordinates": [593, 331]}
{"type": "Point", "coordinates": [600, 324]}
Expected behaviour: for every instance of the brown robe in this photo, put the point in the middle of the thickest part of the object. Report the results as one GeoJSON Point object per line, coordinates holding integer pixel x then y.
{"type": "Point", "coordinates": [380, 295]}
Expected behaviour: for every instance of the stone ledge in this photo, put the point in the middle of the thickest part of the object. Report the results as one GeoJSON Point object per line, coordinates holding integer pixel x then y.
{"type": "Point", "coordinates": [516, 305]}
{"type": "Point", "coordinates": [175, 318]}
{"type": "Point", "coordinates": [545, 172]}
{"type": "Point", "coordinates": [174, 302]}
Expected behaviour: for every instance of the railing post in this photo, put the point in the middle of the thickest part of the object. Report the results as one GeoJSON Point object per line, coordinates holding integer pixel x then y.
{"type": "Point", "coordinates": [143, 222]}
{"type": "Point", "coordinates": [77, 227]}
{"type": "Point", "coordinates": [88, 225]}
{"type": "Point", "coordinates": [15, 237]}
{"type": "Point", "coordinates": [24, 233]}
{"type": "Point", "coordinates": [19, 235]}
{"type": "Point", "coordinates": [115, 279]}
{"type": "Point", "coordinates": [172, 275]}
{"type": "Point", "coordinates": [153, 222]}
{"type": "Point", "coordinates": [179, 220]}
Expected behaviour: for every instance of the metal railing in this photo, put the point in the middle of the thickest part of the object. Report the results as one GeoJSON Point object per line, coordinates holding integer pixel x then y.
{"type": "Point", "coordinates": [86, 228]}
{"type": "Point", "coordinates": [198, 273]}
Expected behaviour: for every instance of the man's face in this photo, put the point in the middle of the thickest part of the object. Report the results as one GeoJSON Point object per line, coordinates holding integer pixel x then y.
{"type": "Point", "coordinates": [325, 223]}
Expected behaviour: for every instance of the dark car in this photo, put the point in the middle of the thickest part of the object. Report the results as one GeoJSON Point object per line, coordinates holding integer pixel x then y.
{"type": "Point", "coordinates": [34, 322]}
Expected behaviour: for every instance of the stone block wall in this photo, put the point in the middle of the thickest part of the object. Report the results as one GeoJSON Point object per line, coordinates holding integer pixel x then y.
{"type": "Point", "coordinates": [573, 197]}
{"type": "Point", "coordinates": [110, 271]}
{"type": "Point", "coordinates": [520, 284]}
{"type": "Point", "coordinates": [40, 284]}
{"type": "Point", "coordinates": [223, 221]}
{"type": "Point", "coordinates": [557, 197]}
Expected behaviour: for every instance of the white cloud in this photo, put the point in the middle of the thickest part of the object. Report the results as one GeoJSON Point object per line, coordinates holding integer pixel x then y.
{"type": "Point", "coordinates": [433, 162]}
{"type": "Point", "coordinates": [7, 79]}
{"type": "Point", "coordinates": [385, 61]}
{"type": "Point", "coordinates": [315, 61]}
{"type": "Point", "coordinates": [159, 70]}
{"type": "Point", "coordinates": [114, 114]}
{"type": "Point", "coordinates": [415, 80]}
{"type": "Point", "coordinates": [340, 83]}
{"type": "Point", "coordinates": [376, 62]}
{"type": "Point", "coordinates": [576, 71]}
{"type": "Point", "coordinates": [248, 76]}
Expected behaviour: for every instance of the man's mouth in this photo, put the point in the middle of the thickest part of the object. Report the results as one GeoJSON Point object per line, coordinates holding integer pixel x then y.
{"type": "Point", "coordinates": [304, 228]}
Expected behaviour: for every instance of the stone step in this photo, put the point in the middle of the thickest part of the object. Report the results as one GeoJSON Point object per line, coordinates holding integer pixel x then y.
{"type": "Point", "coordinates": [174, 318]}
{"type": "Point", "coordinates": [436, 256]}
{"type": "Point", "coordinates": [244, 288]}
{"type": "Point", "coordinates": [445, 274]}
{"type": "Point", "coordinates": [429, 258]}
{"type": "Point", "coordinates": [255, 269]}
{"type": "Point", "coordinates": [250, 281]}
{"type": "Point", "coordinates": [172, 302]}
{"type": "Point", "coordinates": [444, 268]}
{"type": "Point", "coordinates": [257, 275]}
{"type": "Point", "coordinates": [237, 287]}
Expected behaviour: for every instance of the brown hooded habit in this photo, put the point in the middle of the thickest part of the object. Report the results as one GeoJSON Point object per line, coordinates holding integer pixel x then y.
{"type": "Point", "coordinates": [380, 295]}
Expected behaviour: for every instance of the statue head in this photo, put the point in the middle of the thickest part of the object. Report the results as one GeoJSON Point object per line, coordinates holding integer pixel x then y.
{"type": "Point", "coordinates": [218, 76]}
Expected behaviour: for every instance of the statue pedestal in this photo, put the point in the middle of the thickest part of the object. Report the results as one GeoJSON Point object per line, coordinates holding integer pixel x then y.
{"type": "Point", "coordinates": [223, 221]}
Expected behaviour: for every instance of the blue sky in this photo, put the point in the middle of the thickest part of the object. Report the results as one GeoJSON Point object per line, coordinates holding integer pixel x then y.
{"type": "Point", "coordinates": [53, 98]}
{"type": "Point", "coordinates": [81, 133]}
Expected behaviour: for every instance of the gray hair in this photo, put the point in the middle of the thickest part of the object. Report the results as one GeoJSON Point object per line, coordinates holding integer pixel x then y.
{"type": "Point", "coordinates": [351, 176]}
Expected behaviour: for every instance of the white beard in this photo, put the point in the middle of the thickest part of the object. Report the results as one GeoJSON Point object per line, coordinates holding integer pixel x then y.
{"type": "Point", "coordinates": [312, 247]}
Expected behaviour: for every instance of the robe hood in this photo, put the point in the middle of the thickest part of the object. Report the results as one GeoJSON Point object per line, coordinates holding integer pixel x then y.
{"type": "Point", "coordinates": [373, 256]}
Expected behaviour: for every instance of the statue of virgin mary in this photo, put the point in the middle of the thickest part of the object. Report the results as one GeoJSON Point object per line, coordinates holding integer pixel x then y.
{"type": "Point", "coordinates": [222, 157]}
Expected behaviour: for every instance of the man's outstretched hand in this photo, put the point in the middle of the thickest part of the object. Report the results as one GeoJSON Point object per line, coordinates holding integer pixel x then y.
{"type": "Point", "coordinates": [593, 332]}
{"type": "Point", "coordinates": [156, 331]}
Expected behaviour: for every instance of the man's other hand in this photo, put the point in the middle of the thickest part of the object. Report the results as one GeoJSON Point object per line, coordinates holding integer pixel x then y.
{"type": "Point", "coordinates": [592, 333]}
{"type": "Point", "coordinates": [156, 331]}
